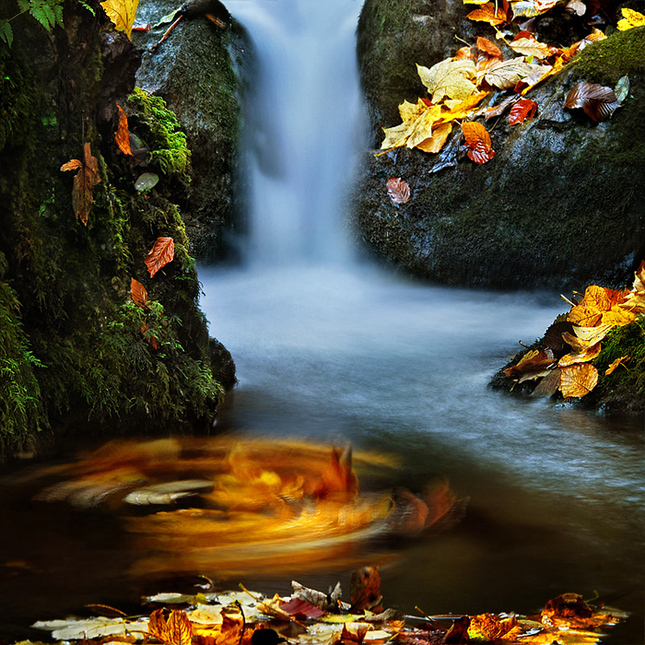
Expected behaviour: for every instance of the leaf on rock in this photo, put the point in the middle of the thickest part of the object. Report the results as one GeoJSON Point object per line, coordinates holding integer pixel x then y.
{"type": "Point", "coordinates": [122, 136]}
{"type": "Point", "coordinates": [301, 607]}
{"type": "Point", "coordinates": [526, 43]}
{"type": "Point", "coordinates": [597, 300]}
{"type": "Point", "coordinates": [478, 141]}
{"type": "Point", "coordinates": [491, 13]}
{"type": "Point", "coordinates": [398, 190]}
{"type": "Point", "coordinates": [531, 8]}
{"type": "Point", "coordinates": [122, 13]}
{"type": "Point", "coordinates": [74, 164]}
{"type": "Point", "coordinates": [578, 380]}
{"type": "Point", "coordinates": [507, 74]}
{"type": "Point", "coordinates": [439, 136]}
{"type": "Point", "coordinates": [533, 364]}
{"type": "Point", "coordinates": [489, 48]}
{"type": "Point", "coordinates": [146, 181]}
{"type": "Point", "coordinates": [138, 293]}
{"type": "Point", "coordinates": [598, 101]}
{"type": "Point", "coordinates": [86, 178]}
{"type": "Point", "coordinates": [585, 354]}
{"type": "Point", "coordinates": [449, 79]}
{"type": "Point", "coordinates": [162, 253]}
{"type": "Point", "coordinates": [622, 88]}
{"type": "Point", "coordinates": [619, 361]}
{"type": "Point", "coordinates": [630, 19]}
{"type": "Point", "coordinates": [522, 110]}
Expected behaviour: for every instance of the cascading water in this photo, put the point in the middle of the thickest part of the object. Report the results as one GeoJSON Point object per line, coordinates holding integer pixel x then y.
{"type": "Point", "coordinates": [304, 110]}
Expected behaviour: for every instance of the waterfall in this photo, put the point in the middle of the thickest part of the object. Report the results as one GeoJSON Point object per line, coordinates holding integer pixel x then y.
{"type": "Point", "coordinates": [303, 129]}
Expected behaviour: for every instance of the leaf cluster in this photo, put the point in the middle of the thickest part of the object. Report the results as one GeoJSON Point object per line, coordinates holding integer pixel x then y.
{"type": "Point", "coordinates": [49, 13]}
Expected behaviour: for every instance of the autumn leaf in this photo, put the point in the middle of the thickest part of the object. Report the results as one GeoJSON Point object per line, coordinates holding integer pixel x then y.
{"type": "Point", "coordinates": [532, 365]}
{"type": "Point", "coordinates": [507, 74]}
{"type": "Point", "coordinates": [86, 178]}
{"type": "Point", "coordinates": [122, 13]}
{"type": "Point", "coordinates": [527, 44]}
{"type": "Point", "coordinates": [177, 630]}
{"type": "Point", "coordinates": [449, 79]}
{"type": "Point", "coordinates": [365, 589]}
{"type": "Point", "coordinates": [478, 141]}
{"type": "Point", "coordinates": [490, 13]}
{"type": "Point", "coordinates": [160, 254]}
{"type": "Point", "coordinates": [149, 335]}
{"type": "Point", "coordinates": [522, 110]}
{"type": "Point", "coordinates": [595, 302]}
{"type": "Point", "coordinates": [439, 136]}
{"type": "Point", "coordinates": [619, 361]}
{"type": "Point", "coordinates": [398, 190]}
{"type": "Point", "coordinates": [598, 101]}
{"type": "Point", "coordinates": [138, 293]}
{"type": "Point", "coordinates": [489, 48]}
{"type": "Point", "coordinates": [583, 355]}
{"type": "Point", "coordinates": [122, 136]}
{"type": "Point", "coordinates": [578, 380]}
{"type": "Point", "coordinates": [531, 8]}
{"type": "Point", "coordinates": [630, 19]}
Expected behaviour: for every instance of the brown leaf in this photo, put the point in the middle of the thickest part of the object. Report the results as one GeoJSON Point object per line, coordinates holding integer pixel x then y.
{"type": "Point", "coordinates": [527, 44]}
{"type": "Point", "coordinates": [498, 110]}
{"type": "Point", "coordinates": [533, 363]}
{"type": "Point", "coordinates": [160, 254]}
{"type": "Point", "coordinates": [138, 293]}
{"type": "Point", "coordinates": [179, 628]}
{"type": "Point", "coordinates": [86, 178]}
{"type": "Point", "coordinates": [398, 190]}
{"type": "Point", "coordinates": [549, 385]}
{"type": "Point", "coordinates": [302, 607]}
{"type": "Point", "coordinates": [522, 110]}
{"type": "Point", "coordinates": [365, 589]}
{"type": "Point", "coordinates": [150, 337]}
{"type": "Point", "coordinates": [74, 164]}
{"type": "Point", "coordinates": [488, 47]}
{"type": "Point", "coordinates": [478, 142]}
{"type": "Point", "coordinates": [578, 380]}
{"type": "Point", "coordinates": [122, 136]}
{"type": "Point", "coordinates": [598, 101]}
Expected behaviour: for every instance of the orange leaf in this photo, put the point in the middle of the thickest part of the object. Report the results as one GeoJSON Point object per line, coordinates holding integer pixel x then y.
{"type": "Point", "coordinates": [138, 293]}
{"type": "Point", "coordinates": [86, 178]}
{"type": "Point", "coordinates": [74, 164]}
{"type": "Point", "coordinates": [157, 626]}
{"type": "Point", "coordinates": [179, 628]}
{"type": "Point", "coordinates": [522, 110]}
{"type": "Point", "coordinates": [583, 355]}
{"type": "Point", "coordinates": [478, 142]}
{"type": "Point", "coordinates": [531, 365]}
{"type": "Point", "coordinates": [122, 136]}
{"type": "Point", "coordinates": [150, 337]}
{"type": "Point", "coordinates": [489, 13]}
{"type": "Point", "coordinates": [619, 361]}
{"type": "Point", "coordinates": [365, 589]}
{"type": "Point", "coordinates": [398, 190]}
{"type": "Point", "coordinates": [597, 300]}
{"type": "Point", "coordinates": [160, 254]}
{"type": "Point", "coordinates": [578, 380]}
{"type": "Point", "coordinates": [488, 47]}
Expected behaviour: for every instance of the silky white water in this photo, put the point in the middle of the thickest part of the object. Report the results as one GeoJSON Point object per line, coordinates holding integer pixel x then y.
{"type": "Point", "coordinates": [328, 348]}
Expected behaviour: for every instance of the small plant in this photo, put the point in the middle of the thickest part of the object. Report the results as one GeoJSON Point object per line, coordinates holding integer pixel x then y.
{"type": "Point", "coordinates": [48, 13]}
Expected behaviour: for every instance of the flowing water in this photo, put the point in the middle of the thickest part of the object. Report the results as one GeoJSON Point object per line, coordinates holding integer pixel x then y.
{"type": "Point", "coordinates": [334, 350]}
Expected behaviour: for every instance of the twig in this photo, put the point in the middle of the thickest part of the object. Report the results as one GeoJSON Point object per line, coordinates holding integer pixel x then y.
{"type": "Point", "coordinates": [166, 34]}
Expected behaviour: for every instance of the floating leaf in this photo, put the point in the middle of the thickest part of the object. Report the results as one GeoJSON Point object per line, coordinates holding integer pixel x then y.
{"type": "Point", "coordinates": [619, 361]}
{"type": "Point", "coordinates": [578, 380]}
{"type": "Point", "coordinates": [138, 293]}
{"type": "Point", "coordinates": [398, 190]}
{"type": "Point", "coordinates": [122, 13]}
{"type": "Point", "coordinates": [598, 102]}
{"type": "Point", "coordinates": [122, 137]}
{"type": "Point", "coordinates": [522, 110]}
{"type": "Point", "coordinates": [449, 79]}
{"type": "Point", "coordinates": [160, 254]}
{"type": "Point", "coordinates": [478, 141]}
{"type": "Point", "coordinates": [85, 180]}
{"type": "Point", "coordinates": [146, 182]}
{"type": "Point", "coordinates": [630, 19]}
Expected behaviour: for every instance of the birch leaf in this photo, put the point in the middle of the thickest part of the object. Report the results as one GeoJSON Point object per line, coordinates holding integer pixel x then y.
{"type": "Point", "coordinates": [122, 13]}
{"type": "Point", "coordinates": [449, 79]}
{"type": "Point", "coordinates": [160, 254]}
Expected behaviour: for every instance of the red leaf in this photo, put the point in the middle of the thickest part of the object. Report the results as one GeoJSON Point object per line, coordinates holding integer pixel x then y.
{"type": "Point", "coordinates": [122, 136]}
{"type": "Point", "coordinates": [148, 334]}
{"type": "Point", "coordinates": [302, 607]}
{"type": "Point", "coordinates": [138, 293]}
{"type": "Point", "coordinates": [161, 254]}
{"type": "Point", "coordinates": [86, 178]}
{"type": "Point", "coordinates": [488, 47]}
{"type": "Point", "coordinates": [478, 142]}
{"type": "Point", "coordinates": [598, 102]}
{"type": "Point", "coordinates": [398, 190]}
{"type": "Point", "coordinates": [522, 110]}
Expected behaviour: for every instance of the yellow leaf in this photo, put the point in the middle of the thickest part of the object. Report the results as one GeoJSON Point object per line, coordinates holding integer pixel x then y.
{"type": "Point", "coordinates": [490, 13]}
{"type": "Point", "coordinates": [450, 78]}
{"type": "Point", "coordinates": [619, 361]}
{"type": "Point", "coordinates": [422, 127]}
{"type": "Point", "coordinates": [582, 356]}
{"type": "Point", "coordinates": [630, 19]}
{"type": "Point", "coordinates": [592, 335]}
{"type": "Point", "coordinates": [507, 74]}
{"type": "Point", "coordinates": [122, 13]}
{"type": "Point", "coordinates": [618, 317]}
{"type": "Point", "coordinates": [410, 112]}
{"type": "Point", "coordinates": [588, 312]}
{"type": "Point", "coordinates": [526, 44]}
{"type": "Point", "coordinates": [437, 140]}
{"type": "Point", "coordinates": [463, 108]}
{"type": "Point", "coordinates": [578, 380]}
{"type": "Point", "coordinates": [396, 136]}
{"type": "Point", "coordinates": [411, 132]}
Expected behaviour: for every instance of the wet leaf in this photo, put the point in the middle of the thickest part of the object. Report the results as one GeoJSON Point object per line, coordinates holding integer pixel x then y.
{"type": "Point", "coordinates": [549, 385]}
{"type": "Point", "coordinates": [630, 19]}
{"type": "Point", "coordinates": [533, 364]}
{"type": "Point", "coordinates": [488, 47]}
{"type": "Point", "coordinates": [622, 89]}
{"type": "Point", "coordinates": [578, 380]}
{"type": "Point", "coordinates": [598, 102]}
{"type": "Point", "coordinates": [527, 44]}
{"type": "Point", "coordinates": [449, 79]}
{"type": "Point", "coordinates": [588, 312]}
{"type": "Point", "coordinates": [584, 355]}
{"type": "Point", "coordinates": [138, 293]}
{"type": "Point", "coordinates": [497, 110]}
{"type": "Point", "coordinates": [522, 110]}
{"type": "Point", "coordinates": [398, 190]}
{"type": "Point", "coordinates": [146, 181]}
{"type": "Point", "coordinates": [435, 143]}
{"type": "Point", "coordinates": [122, 13]}
{"type": "Point", "coordinates": [122, 136]}
{"type": "Point", "coordinates": [85, 180]}
{"type": "Point", "coordinates": [507, 74]}
{"type": "Point", "coordinates": [478, 142]}
{"type": "Point", "coordinates": [619, 361]}
{"type": "Point", "coordinates": [531, 8]}
{"type": "Point", "coordinates": [491, 13]}
{"type": "Point", "coordinates": [161, 254]}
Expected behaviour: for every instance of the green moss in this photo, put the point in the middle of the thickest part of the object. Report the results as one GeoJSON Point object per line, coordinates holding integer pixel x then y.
{"type": "Point", "coordinates": [169, 144]}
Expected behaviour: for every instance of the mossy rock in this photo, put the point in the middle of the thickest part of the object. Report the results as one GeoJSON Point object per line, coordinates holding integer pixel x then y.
{"type": "Point", "coordinates": [561, 205]}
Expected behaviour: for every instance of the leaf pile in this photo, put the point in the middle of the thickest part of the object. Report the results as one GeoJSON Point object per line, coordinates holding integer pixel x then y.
{"type": "Point", "coordinates": [312, 617]}
{"type": "Point", "coordinates": [564, 360]}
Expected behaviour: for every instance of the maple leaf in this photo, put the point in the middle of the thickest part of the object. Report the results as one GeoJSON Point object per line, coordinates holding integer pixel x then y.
{"type": "Point", "coordinates": [86, 178]}
{"type": "Point", "coordinates": [138, 293]}
{"type": "Point", "coordinates": [398, 190]}
{"type": "Point", "coordinates": [122, 136]}
{"type": "Point", "coordinates": [463, 108]}
{"type": "Point", "coordinates": [478, 142]}
{"type": "Point", "coordinates": [578, 380]}
{"type": "Point", "coordinates": [490, 13]}
{"type": "Point", "coordinates": [598, 101]}
{"type": "Point", "coordinates": [527, 44]}
{"type": "Point", "coordinates": [449, 79]}
{"type": "Point", "coordinates": [630, 19]}
{"type": "Point", "coordinates": [122, 13]}
{"type": "Point", "coordinates": [439, 136]}
{"type": "Point", "coordinates": [522, 110]}
{"type": "Point", "coordinates": [160, 254]}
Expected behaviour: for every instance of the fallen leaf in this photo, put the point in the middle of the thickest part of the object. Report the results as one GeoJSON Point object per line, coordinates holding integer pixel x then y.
{"type": "Point", "coordinates": [578, 380]}
{"type": "Point", "coordinates": [488, 47]}
{"type": "Point", "coordinates": [449, 79]}
{"type": "Point", "coordinates": [576, 7]}
{"type": "Point", "coordinates": [439, 136]}
{"type": "Point", "coordinates": [549, 385]}
{"type": "Point", "coordinates": [490, 13]}
{"type": "Point", "coordinates": [365, 589]}
{"type": "Point", "coordinates": [598, 102]}
{"type": "Point", "coordinates": [138, 293]}
{"type": "Point", "coordinates": [527, 44]}
{"type": "Point", "coordinates": [85, 180]}
{"type": "Point", "coordinates": [162, 253]}
{"type": "Point", "coordinates": [596, 300]}
{"type": "Point", "coordinates": [622, 88]}
{"type": "Point", "coordinates": [522, 110]}
{"type": "Point", "coordinates": [398, 190]}
{"type": "Point", "coordinates": [533, 363]}
{"type": "Point", "coordinates": [507, 74]}
{"type": "Point", "coordinates": [122, 13]}
{"type": "Point", "coordinates": [531, 8]}
{"type": "Point", "coordinates": [619, 361]}
{"type": "Point", "coordinates": [146, 181]}
{"type": "Point", "coordinates": [585, 354]}
{"type": "Point", "coordinates": [122, 136]}
{"type": "Point", "coordinates": [630, 19]}
{"type": "Point", "coordinates": [478, 142]}
{"type": "Point", "coordinates": [498, 110]}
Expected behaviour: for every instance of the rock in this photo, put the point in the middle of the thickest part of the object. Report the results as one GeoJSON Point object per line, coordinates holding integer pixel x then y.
{"type": "Point", "coordinates": [561, 204]}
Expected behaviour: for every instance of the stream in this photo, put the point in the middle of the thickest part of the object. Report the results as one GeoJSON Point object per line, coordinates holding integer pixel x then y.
{"type": "Point", "coordinates": [332, 349]}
